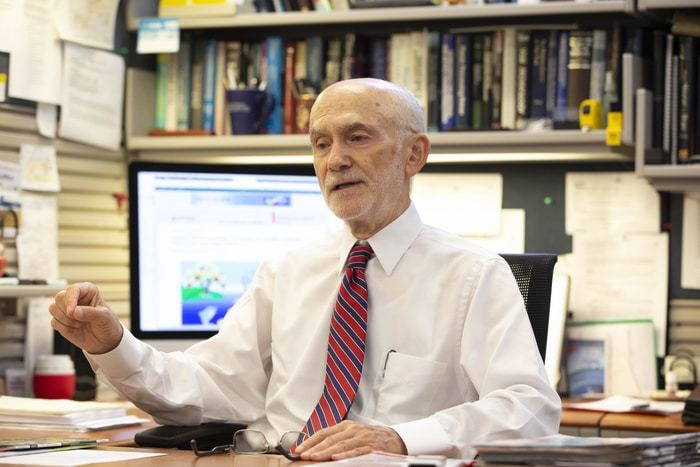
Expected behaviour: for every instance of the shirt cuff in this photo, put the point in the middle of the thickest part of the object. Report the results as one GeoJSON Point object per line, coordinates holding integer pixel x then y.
{"type": "Point", "coordinates": [123, 360]}
{"type": "Point", "coordinates": [424, 436]}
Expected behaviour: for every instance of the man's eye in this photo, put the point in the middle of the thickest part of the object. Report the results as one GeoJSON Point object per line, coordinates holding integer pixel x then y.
{"type": "Point", "coordinates": [357, 138]}
{"type": "Point", "coordinates": [321, 144]}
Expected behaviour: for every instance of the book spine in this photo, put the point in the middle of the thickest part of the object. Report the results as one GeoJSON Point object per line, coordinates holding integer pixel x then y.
{"type": "Point", "coordinates": [687, 97]}
{"type": "Point", "coordinates": [314, 61]}
{"type": "Point", "coordinates": [668, 88]}
{"type": "Point", "coordinates": [348, 61]}
{"type": "Point", "coordinates": [674, 108]}
{"type": "Point", "coordinates": [510, 67]}
{"type": "Point", "coordinates": [552, 58]}
{"type": "Point", "coordinates": [197, 85]}
{"type": "Point", "coordinates": [522, 85]}
{"type": "Point", "coordinates": [598, 60]}
{"type": "Point", "coordinates": [497, 83]}
{"type": "Point", "coordinates": [447, 107]}
{"type": "Point", "coordinates": [161, 90]}
{"type": "Point", "coordinates": [419, 41]}
{"type": "Point", "coordinates": [274, 50]}
{"type": "Point", "coordinates": [209, 85]}
{"type": "Point", "coordinates": [220, 110]}
{"type": "Point", "coordinates": [433, 81]}
{"type": "Point", "coordinates": [184, 72]}
{"type": "Point", "coordinates": [333, 61]}
{"type": "Point", "coordinates": [695, 128]}
{"type": "Point", "coordinates": [562, 77]}
{"type": "Point", "coordinates": [580, 50]}
{"type": "Point", "coordinates": [477, 89]}
{"type": "Point", "coordinates": [462, 81]}
{"type": "Point", "coordinates": [538, 77]}
{"type": "Point", "coordinates": [659, 73]}
{"type": "Point", "coordinates": [487, 70]}
{"type": "Point", "coordinates": [288, 100]}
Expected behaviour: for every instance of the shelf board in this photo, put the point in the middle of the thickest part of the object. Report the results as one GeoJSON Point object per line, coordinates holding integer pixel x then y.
{"type": "Point", "coordinates": [10, 291]}
{"type": "Point", "coordinates": [667, 4]}
{"type": "Point", "coordinates": [676, 178]}
{"type": "Point", "coordinates": [398, 14]}
{"type": "Point", "coordinates": [477, 146]}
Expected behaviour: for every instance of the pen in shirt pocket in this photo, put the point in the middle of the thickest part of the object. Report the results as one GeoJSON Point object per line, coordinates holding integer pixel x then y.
{"type": "Point", "coordinates": [386, 360]}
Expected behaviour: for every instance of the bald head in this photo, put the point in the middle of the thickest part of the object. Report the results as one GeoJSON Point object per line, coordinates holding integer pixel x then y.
{"type": "Point", "coordinates": [395, 104]}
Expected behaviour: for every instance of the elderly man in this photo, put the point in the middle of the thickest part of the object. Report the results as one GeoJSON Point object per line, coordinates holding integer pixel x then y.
{"type": "Point", "coordinates": [390, 335]}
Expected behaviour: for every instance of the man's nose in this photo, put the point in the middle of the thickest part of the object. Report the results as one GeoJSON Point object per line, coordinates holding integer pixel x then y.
{"type": "Point", "coordinates": [339, 157]}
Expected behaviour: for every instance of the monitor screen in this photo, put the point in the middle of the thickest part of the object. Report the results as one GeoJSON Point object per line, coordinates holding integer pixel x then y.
{"type": "Point", "coordinates": [198, 233]}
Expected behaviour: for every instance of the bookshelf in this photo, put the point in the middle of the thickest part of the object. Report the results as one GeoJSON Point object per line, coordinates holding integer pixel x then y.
{"type": "Point", "coordinates": [24, 291]}
{"type": "Point", "coordinates": [471, 146]}
{"type": "Point", "coordinates": [402, 14]}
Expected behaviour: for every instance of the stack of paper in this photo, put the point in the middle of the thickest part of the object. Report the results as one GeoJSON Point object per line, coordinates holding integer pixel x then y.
{"type": "Point", "coordinates": [680, 449]}
{"type": "Point", "coordinates": [626, 404]}
{"type": "Point", "coordinates": [62, 414]}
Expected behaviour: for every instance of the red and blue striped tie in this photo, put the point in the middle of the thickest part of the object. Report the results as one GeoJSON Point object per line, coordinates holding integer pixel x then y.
{"type": "Point", "coordinates": [346, 344]}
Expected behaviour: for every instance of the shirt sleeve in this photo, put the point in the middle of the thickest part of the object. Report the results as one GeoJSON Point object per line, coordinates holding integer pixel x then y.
{"type": "Point", "coordinates": [498, 356]}
{"type": "Point", "coordinates": [222, 378]}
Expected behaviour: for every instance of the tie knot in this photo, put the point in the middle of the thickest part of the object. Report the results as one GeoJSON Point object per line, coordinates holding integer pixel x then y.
{"type": "Point", "coordinates": [359, 255]}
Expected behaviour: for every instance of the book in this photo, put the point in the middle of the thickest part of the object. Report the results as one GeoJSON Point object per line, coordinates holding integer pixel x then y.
{"type": "Point", "coordinates": [209, 84]}
{"type": "Point", "coordinates": [522, 80]}
{"type": "Point", "coordinates": [497, 80]}
{"type": "Point", "coordinates": [161, 90]}
{"type": "Point", "coordinates": [538, 76]}
{"type": "Point", "coordinates": [579, 67]}
{"type": "Point", "coordinates": [196, 8]}
{"type": "Point", "coordinates": [509, 67]}
{"type": "Point", "coordinates": [476, 95]}
{"type": "Point", "coordinates": [184, 76]}
{"type": "Point", "coordinates": [562, 87]}
{"type": "Point", "coordinates": [463, 81]}
{"type": "Point", "coordinates": [274, 69]}
{"type": "Point", "coordinates": [552, 65]}
{"type": "Point", "coordinates": [197, 84]}
{"type": "Point", "coordinates": [447, 104]}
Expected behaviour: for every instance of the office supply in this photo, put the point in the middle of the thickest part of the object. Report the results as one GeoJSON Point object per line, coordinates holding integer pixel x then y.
{"type": "Point", "coordinates": [79, 457]}
{"type": "Point", "coordinates": [30, 445]}
{"type": "Point", "coordinates": [207, 435]}
{"type": "Point", "coordinates": [628, 357]}
{"type": "Point", "coordinates": [86, 22]}
{"type": "Point", "coordinates": [92, 114]}
{"type": "Point", "coordinates": [479, 197]}
{"type": "Point", "coordinates": [590, 114]}
{"type": "Point", "coordinates": [625, 404]}
{"type": "Point", "coordinates": [559, 449]}
{"type": "Point", "coordinates": [613, 133]}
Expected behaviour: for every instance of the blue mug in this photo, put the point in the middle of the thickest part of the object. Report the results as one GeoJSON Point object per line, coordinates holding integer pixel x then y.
{"type": "Point", "coordinates": [249, 110]}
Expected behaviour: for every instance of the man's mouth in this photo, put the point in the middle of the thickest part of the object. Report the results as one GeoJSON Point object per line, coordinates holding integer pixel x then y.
{"type": "Point", "coordinates": [342, 186]}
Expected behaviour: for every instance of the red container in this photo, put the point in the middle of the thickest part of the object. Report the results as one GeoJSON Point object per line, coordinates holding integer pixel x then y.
{"type": "Point", "coordinates": [54, 377]}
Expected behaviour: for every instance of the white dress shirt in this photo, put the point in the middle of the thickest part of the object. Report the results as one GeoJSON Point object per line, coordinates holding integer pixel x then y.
{"type": "Point", "coordinates": [450, 356]}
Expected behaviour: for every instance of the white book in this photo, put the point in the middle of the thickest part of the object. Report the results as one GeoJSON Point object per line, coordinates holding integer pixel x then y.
{"type": "Point", "coordinates": [510, 60]}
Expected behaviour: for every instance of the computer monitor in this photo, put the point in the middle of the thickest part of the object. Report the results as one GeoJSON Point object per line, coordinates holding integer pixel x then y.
{"type": "Point", "coordinates": [199, 232]}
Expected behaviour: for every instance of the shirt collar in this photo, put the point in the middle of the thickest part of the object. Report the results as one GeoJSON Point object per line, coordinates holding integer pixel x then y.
{"type": "Point", "coordinates": [389, 244]}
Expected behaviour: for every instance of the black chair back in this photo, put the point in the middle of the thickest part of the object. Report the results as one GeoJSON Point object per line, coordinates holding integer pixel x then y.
{"type": "Point", "coordinates": [533, 273]}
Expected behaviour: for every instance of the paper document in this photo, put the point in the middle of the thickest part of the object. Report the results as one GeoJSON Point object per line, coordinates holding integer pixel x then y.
{"type": "Point", "coordinates": [35, 64]}
{"type": "Point", "coordinates": [77, 457]}
{"type": "Point", "coordinates": [37, 243]}
{"type": "Point", "coordinates": [618, 354]}
{"type": "Point", "coordinates": [87, 22]}
{"type": "Point", "coordinates": [690, 247]}
{"type": "Point", "coordinates": [93, 89]}
{"type": "Point", "coordinates": [46, 119]}
{"type": "Point", "coordinates": [621, 277]}
{"type": "Point", "coordinates": [53, 406]}
{"type": "Point", "coordinates": [380, 459]}
{"type": "Point", "coordinates": [39, 167]}
{"type": "Point", "coordinates": [624, 404]}
{"type": "Point", "coordinates": [10, 180]}
{"type": "Point", "coordinates": [39, 336]}
{"type": "Point", "coordinates": [10, 11]}
{"type": "Point", "coordinates": [464, 204]}
{"type": "Point", "coordinates": [511, 238]}
{"type": "Point", "coordinates": [610, 202]}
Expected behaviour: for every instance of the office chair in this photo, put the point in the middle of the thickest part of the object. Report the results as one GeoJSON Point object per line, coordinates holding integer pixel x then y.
{"type": "Point", "coordinates": [533, 273]}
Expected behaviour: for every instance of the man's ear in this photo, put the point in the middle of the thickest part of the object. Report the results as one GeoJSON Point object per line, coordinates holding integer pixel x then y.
{"type": "Point", "coordinates": [418, 155]}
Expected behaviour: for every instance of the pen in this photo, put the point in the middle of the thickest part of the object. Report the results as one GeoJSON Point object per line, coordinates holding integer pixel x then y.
{"type": "Point", "coordinates": [386, 360]}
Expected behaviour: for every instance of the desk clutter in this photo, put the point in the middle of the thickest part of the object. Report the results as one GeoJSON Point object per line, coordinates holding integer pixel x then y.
{"type": "Point", "coordinates": [683, 449]}
{"type": "Point", "coordinates": [63, 414]}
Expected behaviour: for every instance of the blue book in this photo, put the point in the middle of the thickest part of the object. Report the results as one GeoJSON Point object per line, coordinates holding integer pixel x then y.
{"type": "Point", "coordinates": [274, 67]}
{"type": "Point", "coordinates": [209, 85]}
{"type": "Point", "coordinates": [447, 97]}
{"type": "Point", "coordinates": [463, 81]}
{"type": "Point", "coordinates": [538, 76]}
{"type": "Point", "coordinates": [562, 78]}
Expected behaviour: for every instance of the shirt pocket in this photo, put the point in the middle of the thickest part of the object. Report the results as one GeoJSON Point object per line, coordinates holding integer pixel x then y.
{"type": "Point", "coordinates": [408, 387]}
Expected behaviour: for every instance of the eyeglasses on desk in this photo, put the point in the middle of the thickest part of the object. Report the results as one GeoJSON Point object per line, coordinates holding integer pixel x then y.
{"type": "Point", "coordinates": [255, 442]}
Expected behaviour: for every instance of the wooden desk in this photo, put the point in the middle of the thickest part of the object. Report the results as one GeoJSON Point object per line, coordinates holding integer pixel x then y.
{"type": "Point", "coordinates": [580, 422]}
{"type": "Point", "coordinates": [642, 425]}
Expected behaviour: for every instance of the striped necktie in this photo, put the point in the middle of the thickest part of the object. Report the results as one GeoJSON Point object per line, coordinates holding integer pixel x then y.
{"type": "Point", "coordinates": [346, 344]}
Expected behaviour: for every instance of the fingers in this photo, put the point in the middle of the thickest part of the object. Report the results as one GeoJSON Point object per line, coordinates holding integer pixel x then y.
{"type": "Point", "coordinates": [62, 318]}
{"type": "Point", "coordinates": [349, 439]}
{"type": "Point", "coordinates": [83, 293]}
